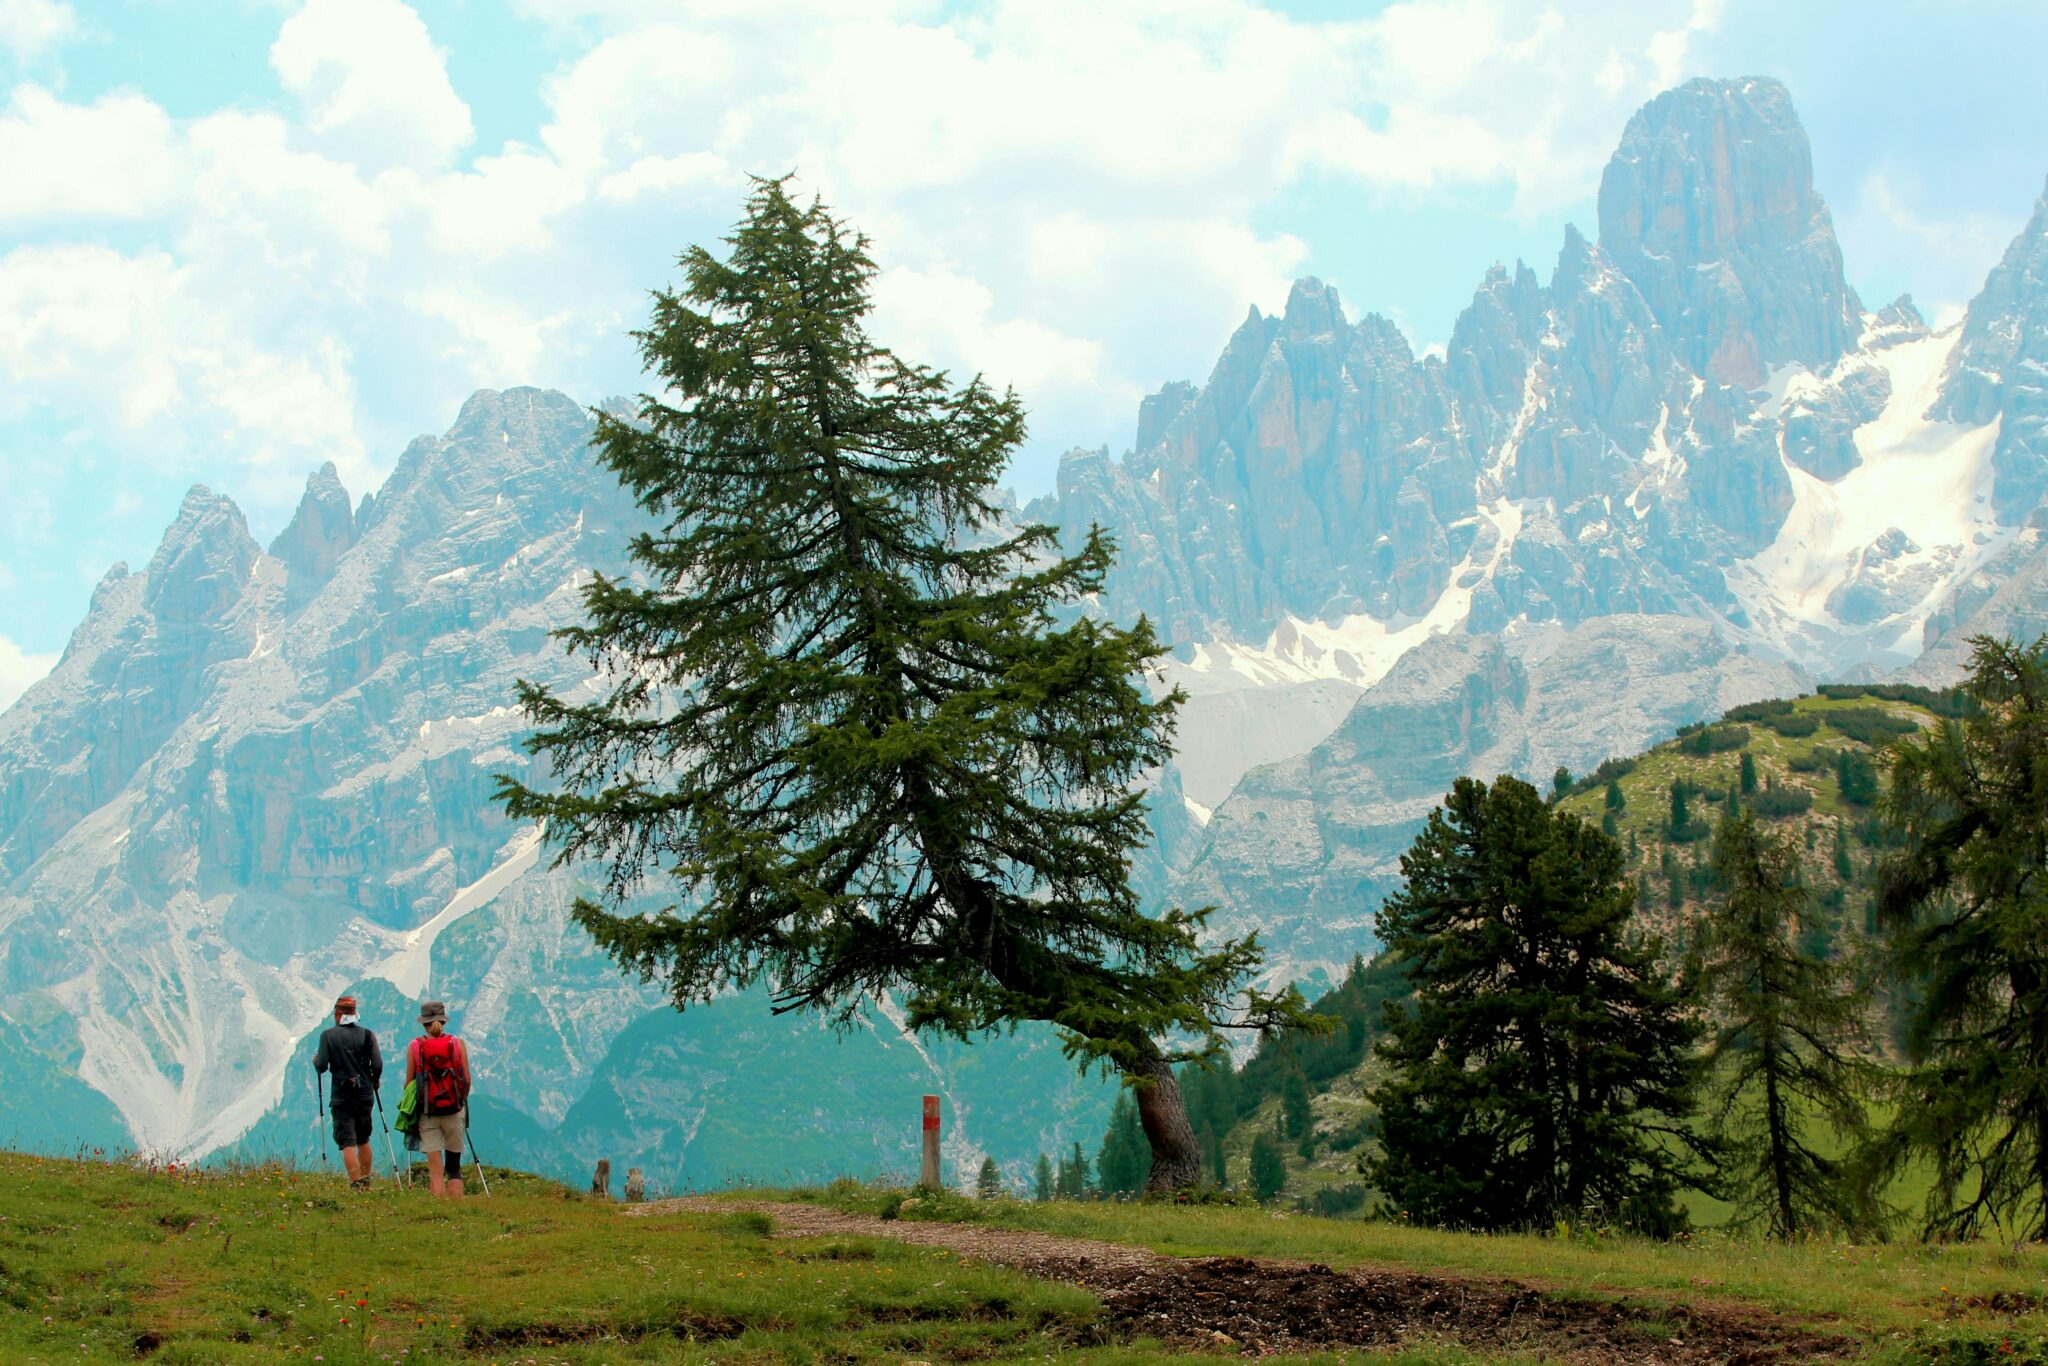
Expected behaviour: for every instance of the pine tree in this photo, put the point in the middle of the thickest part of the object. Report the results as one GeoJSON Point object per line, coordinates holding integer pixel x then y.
{"type": "Point", "coordinates": [1073, 1182]}
{"type": "Point", "coordinates": [1295, 1113]}
{"type": "Point", "coordinates": [1747, 778]}
{"type": "Point", "coordinates": [1268, 1168]}
{"type": "Point", "coordinates": [1844, 867]}
{"type": "Point", "coordinates": [1560, 783]}
{"type": "Point", "coordinates": [1617, 800]}
{"type": "Point", "coordinates": [1121, 1164]}
{"type": "Point", "coordinates": [839, 722]}
{"type": "Point", "coordinates": [1963, 903]}
{"type": "Point", "coordinates": [1544, 1068]}
{"type": "Point", "coordinates": [988, 1184]}
{"type": "Point", "coordinates": [1785, 1046]}
{"type": "Point", "coordinates": [1681, 827]}
{"type": "Point", "coordinates": [1043, 1183]}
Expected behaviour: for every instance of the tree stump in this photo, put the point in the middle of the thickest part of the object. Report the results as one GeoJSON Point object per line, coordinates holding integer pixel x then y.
{"type": "Point", "coordinates": [636, 1186]}
{"type": "Point", "coordinates": [601, 1180]}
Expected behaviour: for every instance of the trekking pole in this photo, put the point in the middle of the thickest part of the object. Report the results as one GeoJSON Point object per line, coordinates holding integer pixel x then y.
{"type": "Point", "coordinates": [389, 1147]}
{"type": "Point", "coordinates": [474, 1155]}
{"type": "Point", "coordinates": [320, 1111]}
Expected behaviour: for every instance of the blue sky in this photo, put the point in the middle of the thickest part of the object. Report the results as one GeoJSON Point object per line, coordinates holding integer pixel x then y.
{"type": "Point", "coordinates": [241, 239]}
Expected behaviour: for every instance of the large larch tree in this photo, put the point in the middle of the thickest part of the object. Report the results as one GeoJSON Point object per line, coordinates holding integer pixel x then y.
{"type": "Point", "coordinates": [850, 722]}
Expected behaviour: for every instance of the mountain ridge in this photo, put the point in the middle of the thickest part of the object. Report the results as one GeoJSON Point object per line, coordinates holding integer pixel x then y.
{"type": "Point", "coordinates": [1620, 501]}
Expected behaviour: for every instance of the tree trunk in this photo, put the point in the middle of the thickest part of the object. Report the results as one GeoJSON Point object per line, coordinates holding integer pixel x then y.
{"type": "Point", "coordinates": [1176, 1156]}
{"type": "Point", "coordinates": [1778, 1130]}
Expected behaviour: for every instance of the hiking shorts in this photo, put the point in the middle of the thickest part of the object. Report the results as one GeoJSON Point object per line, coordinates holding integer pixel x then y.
{"type": "Point", "coordinates": [443, 1133]}
{"type": "Point", "coordinates": [351, 1122]}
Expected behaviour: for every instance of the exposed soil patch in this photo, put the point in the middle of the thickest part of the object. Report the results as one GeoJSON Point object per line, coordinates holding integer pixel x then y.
{"type": "Point", "coordinates": [700, 1327]}
{"type": "Point", "coordinates": [1241, 1304]}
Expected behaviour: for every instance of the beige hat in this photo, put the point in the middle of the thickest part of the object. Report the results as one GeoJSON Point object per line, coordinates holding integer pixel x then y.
{"type": "Point", "coordinates": [433, 1010]}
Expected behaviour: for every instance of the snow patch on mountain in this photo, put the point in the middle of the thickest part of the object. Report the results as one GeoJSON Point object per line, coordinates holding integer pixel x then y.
{"type": "Point", "coordinates": [1358, 648]}
{"type": "Point", "coordinates": [408, 968]}
{"type": "Point", "coordinates": [1862, 560]}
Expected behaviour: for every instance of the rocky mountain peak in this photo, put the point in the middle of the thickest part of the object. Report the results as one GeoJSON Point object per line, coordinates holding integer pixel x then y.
{"type": "Point", "coordinates": [1708, 205]}
{"type": "Point", "coordinates": [318, 535]}
{"type": "Point", "coordinates": [1157, 412]}
{"type": "Point", "coordinates": [1313, 311]}
{"type": "Point", "coordinates": [203, 561]}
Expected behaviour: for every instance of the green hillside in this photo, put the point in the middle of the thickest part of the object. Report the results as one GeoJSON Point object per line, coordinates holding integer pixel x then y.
{"type": "Point", "coordinates": [1814, 765]}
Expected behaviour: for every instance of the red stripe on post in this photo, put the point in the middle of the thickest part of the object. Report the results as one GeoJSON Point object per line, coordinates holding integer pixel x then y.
{"type": "Point", "coordinates": [931, 1112]}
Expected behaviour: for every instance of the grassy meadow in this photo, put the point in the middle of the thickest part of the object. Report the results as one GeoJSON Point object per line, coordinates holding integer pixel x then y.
{"type": "Point", "coordinates": [1904, 1301]}
{"type": "Point", "coordinates": [106, 1262]}
{"type": "Point", "coordinates": [103, 1262]}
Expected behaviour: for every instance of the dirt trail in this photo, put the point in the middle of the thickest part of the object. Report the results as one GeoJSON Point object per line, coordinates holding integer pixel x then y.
{"type": "Point", "coordinates": [1238, 1303]}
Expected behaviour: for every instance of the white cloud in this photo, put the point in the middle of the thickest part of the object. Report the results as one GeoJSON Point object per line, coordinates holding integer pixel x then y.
{"type": "Point", "coordinates": [113, 159]}
{"type": "Point", "coordinates": [138, 349]}
{"type": "Point", "coordinates": [372, 84]}
{"type": "Point", "coordinates": [506, 205]}
{"type": "Point", "coordinates": [495, 342]}
{"type": "Point", "coordinates": [927, 311]}
{"type": "Point", "coordinates": [1452, 93]}
{"type": "Point", "coordinates": [30, 29]}
{"type": "Point", "coordinates": [19, 670]}
{"type": "Point", "coordinates": [691, 174]}
{"type": "Point", "coordinates": [1064, 195]}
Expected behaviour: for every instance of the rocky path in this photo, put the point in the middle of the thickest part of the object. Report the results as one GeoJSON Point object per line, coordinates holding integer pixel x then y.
{"type": "Point", "coordinates": [1242, 1304]}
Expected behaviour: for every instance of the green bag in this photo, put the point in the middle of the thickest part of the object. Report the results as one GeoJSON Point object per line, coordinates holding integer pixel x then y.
{"type": "Point", "coordinates": [409, 1108]}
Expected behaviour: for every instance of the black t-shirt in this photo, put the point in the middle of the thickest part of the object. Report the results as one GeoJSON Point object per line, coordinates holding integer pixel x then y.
{"type": "Point", "coordinates": [350, 1053]}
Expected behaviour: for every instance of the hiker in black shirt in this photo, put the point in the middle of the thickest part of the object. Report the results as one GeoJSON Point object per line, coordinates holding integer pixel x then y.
{"type": "Point", "coordinates": [349, 1053]}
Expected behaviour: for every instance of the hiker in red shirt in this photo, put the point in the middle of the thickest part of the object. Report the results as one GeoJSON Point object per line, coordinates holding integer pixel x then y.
{"type": "Point", "coordinates": [440, 1064]}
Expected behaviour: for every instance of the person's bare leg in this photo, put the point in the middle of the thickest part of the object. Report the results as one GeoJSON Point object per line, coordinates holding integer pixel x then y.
{"type": "Point", "coordinates": [453, 1178]}
{"type": "Point", "coordinates": [434, 1176]}
{"type": "Point", "coordinates": [366, 1164]}
{"type": "Point", "coordinates": [348, 1161]}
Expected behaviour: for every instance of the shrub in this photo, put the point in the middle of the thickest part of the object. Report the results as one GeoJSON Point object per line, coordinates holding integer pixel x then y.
{"type": "Point", "coordinates": [1777, 802]}
{"type": "Point", "coordinates": [1952, 702]}
{"type": "Point", "coordinates": [1759, 711]}
{"type": "Point", "coordinates": [1609, 771]}
{"type": "Point", "coordinates": [1715, 739]}
{"type": "Point", "coordinates": [1794, 725]}
{"type": "Point", "coordinates": [1331, 1201]}
{"type": "Point", "coordinates": [1819, 759]}
{"type": "Point", "coordinates": [1870, 726]}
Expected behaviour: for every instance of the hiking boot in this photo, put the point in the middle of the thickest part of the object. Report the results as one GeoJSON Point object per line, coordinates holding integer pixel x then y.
{"type": "Point", "coordinates": [360, 1183]}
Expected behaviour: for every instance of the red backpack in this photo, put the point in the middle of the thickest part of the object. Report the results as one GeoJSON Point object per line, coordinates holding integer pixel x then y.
{"type": "Point", "coordinates": [442, 1073]}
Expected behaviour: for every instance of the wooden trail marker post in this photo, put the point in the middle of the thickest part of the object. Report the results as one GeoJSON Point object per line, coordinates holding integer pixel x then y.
{"type": "Point", "coordinates": [636, 1186]}
{"type": "Point", "coordinates": [601, 1179]}
{"type": "Point", "coordinates": [931, 1175]}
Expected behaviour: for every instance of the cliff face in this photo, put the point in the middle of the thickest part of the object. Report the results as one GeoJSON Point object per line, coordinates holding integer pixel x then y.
{"type": "Point", "coordinates": [1999, 372]}
{"type": "Point", "coordinates": [1709, 206]}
